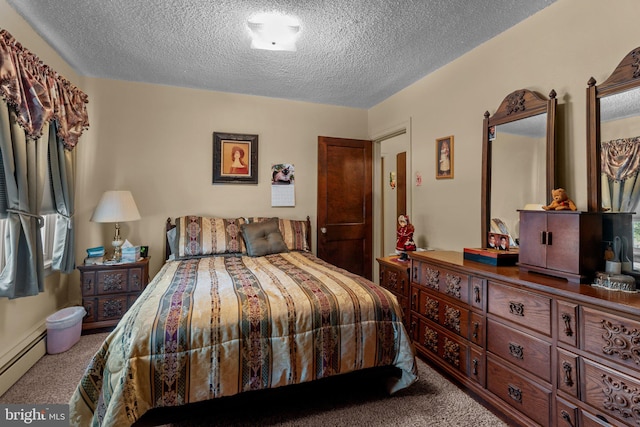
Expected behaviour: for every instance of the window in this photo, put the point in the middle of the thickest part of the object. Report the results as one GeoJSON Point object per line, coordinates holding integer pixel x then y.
{"type": "Point", "coordinates": [47, 232]}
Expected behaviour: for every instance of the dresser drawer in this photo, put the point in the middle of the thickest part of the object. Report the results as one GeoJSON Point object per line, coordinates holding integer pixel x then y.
{"type": "Point", "coordinates": [447, 282]}
{"type": "Point", "coordinates": [525, 395]}
{"type": "Point", "coordinates": [519, 348]}
{"type": "Point", "coordinates": [477, 366]}
{"type": "Point", "coordinates": [524, 308]}
{"type": "Point", "coordinates": [613, 337]}
{"type": "Point", "coordinates": [613, 393]}
{"type": "Point", "coordinates": [394, 279]}
{"type": "Point", "coordinates": [444, 313]}
{"type": "Point", "coordinates": [567, 323]}
{"type": "Point", "coordinates": [445, 346]}
{"type": "Point", "coordinates": [476, 329]}
{"type": "Point", "coordinates": [478, 292]}
{"type": "Point", "coordinates": [566, 414]}
{"type": "Point", "coordinates": [568, 372]}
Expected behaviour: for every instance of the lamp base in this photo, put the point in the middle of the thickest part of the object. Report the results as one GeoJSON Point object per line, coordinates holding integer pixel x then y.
{"type": "Point", "coordinates": [117, 250]}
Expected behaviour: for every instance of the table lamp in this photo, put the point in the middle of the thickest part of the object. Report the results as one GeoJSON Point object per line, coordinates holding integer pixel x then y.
{"type": "Point", "coordinates": [116, 206]}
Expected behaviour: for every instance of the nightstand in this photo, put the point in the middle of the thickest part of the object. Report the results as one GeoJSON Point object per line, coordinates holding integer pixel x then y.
{"type": "Point", "coordinates": [109, 290]}
{"type": "Point", "coordinates": [394, 276]}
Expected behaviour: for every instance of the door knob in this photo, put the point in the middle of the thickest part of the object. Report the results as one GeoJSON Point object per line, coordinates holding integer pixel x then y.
{"type": "Point", "coordinates": [323, 230]}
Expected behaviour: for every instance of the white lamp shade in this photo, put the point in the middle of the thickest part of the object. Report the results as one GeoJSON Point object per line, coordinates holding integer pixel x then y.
{"type": "Point", "coordinates": [116, 206]}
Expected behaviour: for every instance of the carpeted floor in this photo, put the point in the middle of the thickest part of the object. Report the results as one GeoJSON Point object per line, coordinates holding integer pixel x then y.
{"type": "Point", "coordinates": [348, 400]}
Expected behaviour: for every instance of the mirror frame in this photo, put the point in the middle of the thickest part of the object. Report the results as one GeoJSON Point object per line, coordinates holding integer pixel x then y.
{"type": "Point", "coordinates": [518, 105]}
{"type": "Point", "coordinates": [624, 77]}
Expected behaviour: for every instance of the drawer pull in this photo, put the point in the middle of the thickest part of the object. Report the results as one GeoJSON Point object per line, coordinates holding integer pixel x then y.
{"type": "Point", "coordinates": [415, 273]}
{"type": "Point", "coordinates": [515, 393]}
{"type": "Point", "coordinates": [516, 308]}
{"type": "Point", "coordinates": [475, 366]}
{"type": "Point", "coordinates": [566, 417]}
{"type": "Point", "coordinates": [567, 368]}
{"type": "Point", "coordinates": [549, 238]}
{"type": "Point", "coordinates": [476, 325]}
{"type": "Point", "coordinates": [543, 237]}
{"type": "Point", "coordinates": [414, 297]}
{"type": "Point", "coordinates": [516, 351]}
{"type": "Point", "coordinates": [412, 329]}
{"type": "Point", "coordinates": [88, 284]}
{"type": "Point", "coordinates": [567, 324]}
{"type": "Point", "coordinates": [476, 293]}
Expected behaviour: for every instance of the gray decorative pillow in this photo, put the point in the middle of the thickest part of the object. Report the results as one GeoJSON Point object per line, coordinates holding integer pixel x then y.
{"type": "Point", "coordinates": [263, 238]}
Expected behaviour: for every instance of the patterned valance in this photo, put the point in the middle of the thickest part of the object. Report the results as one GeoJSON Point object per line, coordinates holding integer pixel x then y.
{"type": "Point", "coordinates": [39, 94]}
{"type": "Point", "coordinates": [619, 158]}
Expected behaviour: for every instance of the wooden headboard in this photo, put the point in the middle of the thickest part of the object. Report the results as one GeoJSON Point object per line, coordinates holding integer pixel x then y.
{"type": "Point", "coordinates": [170, 225]}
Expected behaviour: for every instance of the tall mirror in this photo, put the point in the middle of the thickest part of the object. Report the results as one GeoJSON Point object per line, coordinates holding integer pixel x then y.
{"type": "Point", "coordinates": [613, 155]}
{"type": "Point", "coordinates": [518, 160]}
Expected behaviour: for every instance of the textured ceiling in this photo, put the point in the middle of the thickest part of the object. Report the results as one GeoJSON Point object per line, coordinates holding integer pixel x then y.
{"type": "Point", "coordinates": [354, 53]}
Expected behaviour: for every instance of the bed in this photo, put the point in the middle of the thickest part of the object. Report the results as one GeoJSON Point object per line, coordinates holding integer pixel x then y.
{"type": "Point", "coordinates": [242, 305]}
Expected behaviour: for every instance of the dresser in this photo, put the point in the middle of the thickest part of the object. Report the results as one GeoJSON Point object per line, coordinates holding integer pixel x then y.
{"type": "Point", "coordinates": [542, 350]}
{"type": "Point", "coordinates": [109, 290]}
{"type": "Point", "coordinates": [394, 276]}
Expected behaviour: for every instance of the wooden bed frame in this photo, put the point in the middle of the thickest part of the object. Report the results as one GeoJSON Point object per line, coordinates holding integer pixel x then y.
{"type": "Point", "coordinates": [171, 225]}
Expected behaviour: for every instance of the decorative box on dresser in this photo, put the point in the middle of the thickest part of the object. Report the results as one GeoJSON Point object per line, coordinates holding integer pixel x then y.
{"type": "Point", "coordinates": [542, 350]}
{"type": "Point", "coordinates": [109, 290]}
{"type": "Point", "coordinates": [394, 276]}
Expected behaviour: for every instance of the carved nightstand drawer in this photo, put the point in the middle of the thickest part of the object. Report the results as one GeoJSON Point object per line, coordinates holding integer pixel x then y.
{"type": "Point", "coordinates": [525, 395]}
{"type": "Point", "coordinates": [112, 281]}
{"type": "Point", "coordinates": [109, 290]}
{"type": "Point", "coordinates": [519, 348]}
{"type": "Point", "coordinates": [447, 282]}
{"type": "Point", "coordinates": [110, 308]}
{"type": "Point", "coordinates": [613, 393]}
{"type": "Point", "coordinates": [88, 280]}
{"type": "Point", "coordinates": [612, 337]}
{"type": "Point", "coordinates": [524, 308]}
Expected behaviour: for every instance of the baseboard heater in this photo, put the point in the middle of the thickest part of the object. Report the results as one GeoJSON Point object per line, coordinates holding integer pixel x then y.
{"type": "Point", "coordinates": [19, 364]}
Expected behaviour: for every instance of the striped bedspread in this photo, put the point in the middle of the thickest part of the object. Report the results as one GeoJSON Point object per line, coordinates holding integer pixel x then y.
{"type": "Point", "coordinates": [217, 326]}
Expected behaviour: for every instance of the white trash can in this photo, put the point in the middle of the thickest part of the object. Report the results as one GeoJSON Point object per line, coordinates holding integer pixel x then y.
{"type": "Point", "coordinates": [64, 328]}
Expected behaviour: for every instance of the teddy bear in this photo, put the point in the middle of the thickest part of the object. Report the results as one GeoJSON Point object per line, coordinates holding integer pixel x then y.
{"type": "Point", "coordinates": [561, 202]}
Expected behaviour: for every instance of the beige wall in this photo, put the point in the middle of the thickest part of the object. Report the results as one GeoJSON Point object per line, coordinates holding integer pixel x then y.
{"type": "Point", "coordinates": [157, 141]}
{"type": "Point", "coordinates": [559, 48]}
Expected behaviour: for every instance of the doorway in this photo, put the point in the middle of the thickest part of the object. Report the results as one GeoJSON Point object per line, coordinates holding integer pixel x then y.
{"type": "Point", "coordinates": [387, 146]}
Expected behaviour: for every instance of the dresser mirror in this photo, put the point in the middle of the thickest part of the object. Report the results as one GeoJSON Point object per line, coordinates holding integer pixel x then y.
{"type": "Point", "coordinates": [613, 155]}
{"type": "Point", "coordinates": [518, 160]}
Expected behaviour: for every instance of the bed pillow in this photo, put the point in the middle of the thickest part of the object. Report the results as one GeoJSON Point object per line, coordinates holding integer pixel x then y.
{"type": "Point", "coordinates": [294, 233]}
{"type": "Point", "coordinates": [263, 238]}
{"type": "Point", "coordinates": [197, 236]}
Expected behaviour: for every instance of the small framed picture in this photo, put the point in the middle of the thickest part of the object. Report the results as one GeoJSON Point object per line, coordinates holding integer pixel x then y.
{"type": "Point", "coordinates": [235, 158]}
{"type": "Point", "coordinates": [498, 241]}
{"type": "Point", "coordinates": [444, 157]}
{"type": "Point", "coordinates": [492, 133]}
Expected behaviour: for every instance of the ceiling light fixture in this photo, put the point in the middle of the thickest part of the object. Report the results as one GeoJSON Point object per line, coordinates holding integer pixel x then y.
{"type": "Point", "coordinates": [271, 31]}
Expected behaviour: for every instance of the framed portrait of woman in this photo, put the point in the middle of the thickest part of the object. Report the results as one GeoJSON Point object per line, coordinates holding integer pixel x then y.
{"type": "Point", "coordinates": [444, 157]}
{"type": "Point", "coordinates": [235, 158]}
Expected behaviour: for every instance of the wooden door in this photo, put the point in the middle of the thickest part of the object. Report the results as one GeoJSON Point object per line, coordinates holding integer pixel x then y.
{"type": "Point", "coordinates": [345, 226]}
{"type": "Point", "coordinates": [534, 250]}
